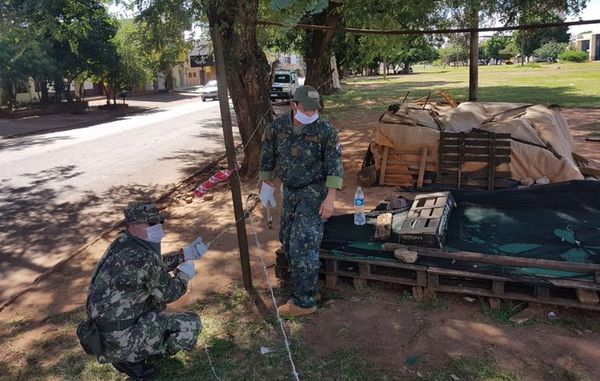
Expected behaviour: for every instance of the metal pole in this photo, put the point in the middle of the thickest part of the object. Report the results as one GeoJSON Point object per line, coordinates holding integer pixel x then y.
{"type": "Point", "coordinates": [236, 192]}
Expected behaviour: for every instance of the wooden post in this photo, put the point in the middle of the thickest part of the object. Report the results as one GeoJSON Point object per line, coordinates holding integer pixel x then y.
{"type": "Point", "coordinates": [236, 192]}
{"type": "Point", "coordinates": [474, 55]}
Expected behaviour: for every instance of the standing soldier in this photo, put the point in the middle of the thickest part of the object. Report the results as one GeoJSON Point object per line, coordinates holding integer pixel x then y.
{"type": "Point", "coordinates": [304, 152]}
{"type": "Point", "coordinates": [130, 287]}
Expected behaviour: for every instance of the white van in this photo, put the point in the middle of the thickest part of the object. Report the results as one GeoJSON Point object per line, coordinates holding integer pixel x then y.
{"type": "Point", "coordinates": [285, 82]}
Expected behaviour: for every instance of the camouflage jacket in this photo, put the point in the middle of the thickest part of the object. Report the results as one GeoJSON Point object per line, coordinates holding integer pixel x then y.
{"type": "Point", "coordinates": [132, 279]}
{"type": "Point", "coordinates": [312, 156]}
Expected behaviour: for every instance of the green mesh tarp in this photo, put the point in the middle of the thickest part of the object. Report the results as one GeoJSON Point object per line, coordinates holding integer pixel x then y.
{"type": "Point", "coordinates": [557, 221]}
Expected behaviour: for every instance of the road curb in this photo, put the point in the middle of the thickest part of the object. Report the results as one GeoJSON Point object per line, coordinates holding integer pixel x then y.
{"type": "Point", "coordinates": [73, 127]}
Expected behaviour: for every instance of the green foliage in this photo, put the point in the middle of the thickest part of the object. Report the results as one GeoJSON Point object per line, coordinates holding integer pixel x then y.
{"type": "Point", "coordinates": [472, 368]}
{"type": "Point", "coordinates": [529, 40]}
{"type": "Point", "coordinates": [453, 55]}
{"type": "Point", "coordinates": [495, 47]}
{"type": "Point", "coordinates": [550, 50]}
{"type": "Point", "coordinates": [573, 56]}
{"type": "Point", "coordinates": [162, 24]}
{"type": "Point", "coordinates": [511, 50]}
{"type": "Point", "coordinates": [54, 43]}
{"type": "Point", "coordinates": [133, 68]}
{"type": "Point", "coordinates": [295, 10]}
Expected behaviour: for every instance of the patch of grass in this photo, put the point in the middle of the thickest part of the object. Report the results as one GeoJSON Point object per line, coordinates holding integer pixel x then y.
{"type": "Point", "coordinates": [575, 321]}
{"type": "Point", "coordinates": [414, 360]}
{"type": "Point", "coordinates": [471, 368]}
{"type": "Point", "coordinates": [567, 375]}
{"type": "Point", "coordinates": [529, 66]}
{"type": "Point", "coordinates": [18, 321]}
{"type": "Point", "coordinates": [406, 297]}
{"type": "Point", "coordinates": [233, 334]}
{"type": "Point", "coordinates": [573, 85]}
{"type": "Point", "coordinates": [503, 314]}
{"type": "Point", "coordinates": [70, 318]}
{"type": "Point", "coordinates": [434, 303]}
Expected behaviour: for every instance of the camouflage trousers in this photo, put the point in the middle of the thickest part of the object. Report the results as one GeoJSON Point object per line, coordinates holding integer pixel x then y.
{"type": "Point", "coordinates": [301, 234]}
{"type": "Point", "coordinates": [155, 333]}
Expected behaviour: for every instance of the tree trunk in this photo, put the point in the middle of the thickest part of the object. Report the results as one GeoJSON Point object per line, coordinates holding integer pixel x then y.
{"type": "Point", "coordinates": [169, 80]}
{"type": "Point", "coordinates": [45, 99]}
{"type": "Point", "coordinates": [318, 68]}
{"type": "Point", "coordinates": [247, 71]}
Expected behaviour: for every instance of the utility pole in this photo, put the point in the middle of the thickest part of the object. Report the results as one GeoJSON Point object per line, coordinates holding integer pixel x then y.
{"type": "Point", "coordinates": [236, 192]}
{"type": "Point", "coordinates": [474, 54]}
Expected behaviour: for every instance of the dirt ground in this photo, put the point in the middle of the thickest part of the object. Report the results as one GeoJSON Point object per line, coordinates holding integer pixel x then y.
{"type": "Point", "coordinates": [382, 326]}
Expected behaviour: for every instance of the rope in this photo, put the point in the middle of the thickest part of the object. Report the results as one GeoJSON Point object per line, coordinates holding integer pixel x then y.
{"type": "Point", "coordinates": [281, 325]}
{"type": "Point", "coordinates": [211, 364]}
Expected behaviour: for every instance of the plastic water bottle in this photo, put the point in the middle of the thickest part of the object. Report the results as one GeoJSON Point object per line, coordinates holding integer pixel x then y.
{"type": "Point", "coordinates": [359, 204]}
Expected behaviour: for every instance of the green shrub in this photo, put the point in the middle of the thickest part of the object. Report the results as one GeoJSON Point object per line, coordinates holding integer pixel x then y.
{"type": "Point", "coordinates": [573, 56]}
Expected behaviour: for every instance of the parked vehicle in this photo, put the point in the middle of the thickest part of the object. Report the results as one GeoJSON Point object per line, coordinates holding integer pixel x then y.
{"type": "Point", "coordinates": [285, 82]}
{"type": "Point", "coordinates": [209, 91]}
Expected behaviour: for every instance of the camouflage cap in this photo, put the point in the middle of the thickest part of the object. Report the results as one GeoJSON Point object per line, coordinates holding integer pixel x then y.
{"type": "Point", "coordinates": [308, 96]}
{"type": "Point", "coordinates": [145, 212]}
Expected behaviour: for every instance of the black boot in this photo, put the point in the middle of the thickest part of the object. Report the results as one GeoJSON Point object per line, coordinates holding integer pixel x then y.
{"type": "Point", "coordinates": [139, 371]}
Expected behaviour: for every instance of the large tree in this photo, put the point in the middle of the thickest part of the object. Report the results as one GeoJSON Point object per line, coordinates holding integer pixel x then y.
{"type": "Point", "coordinates": [162, 25]}
{"type": "Point", "coordinates": [247, 71]}
{"type": "Point", "coordinates": [55, 41]}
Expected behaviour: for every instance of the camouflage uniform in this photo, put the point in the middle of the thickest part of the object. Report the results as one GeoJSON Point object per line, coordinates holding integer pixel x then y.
{"type": "Point", "coordinates": [307, 163]}
{"type": "Point", "coordinates": [132, 284]}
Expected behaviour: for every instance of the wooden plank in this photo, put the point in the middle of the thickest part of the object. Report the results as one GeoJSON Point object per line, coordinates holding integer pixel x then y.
{"type": "Point", "coordinates": [477, 150]}
{"type": "Point", "coordinates": [476, 135]}
{"type": "Point", "coordinates": [442, 144]}
{"type": "Point", "coordinates": [492, 164]}
{"type": "Point", "coordinates": [383, 165]}
{"type": "Point", "coordinates": [433, 281]}
{"type": "Point", "coordinates": [498, 287]}
{"type": "Point", "coordinates": [461, 150]}
{"type": "Point", "coordinates": [587, 171]}
{"type": "Point", "coordinates": [454, 160]}
{"type": "Point", "coordinates": [498, 259]}
{"type": "Point", "coordinates": [479, 173]}
{"type": "Point", "coordinates": [451, 145]}
{"type": "Point", "coordinates": [542, 292]}
{"type": "Point", "coordinates": [422, 168]}
{"type": "Point", "coordinates": [352, 257]}
{"type": "Point", "coordinates": [587, 296]}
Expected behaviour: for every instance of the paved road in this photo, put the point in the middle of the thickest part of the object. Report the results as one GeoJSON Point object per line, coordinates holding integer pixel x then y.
{"type": "Point", "coordinates": [59, 190]}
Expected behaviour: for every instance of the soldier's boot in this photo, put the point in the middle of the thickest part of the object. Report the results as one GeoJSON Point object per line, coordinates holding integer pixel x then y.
{"type": "Point", "coordinates": [291, 310]}
{"type": "Point", "coordinates": [138, 371]}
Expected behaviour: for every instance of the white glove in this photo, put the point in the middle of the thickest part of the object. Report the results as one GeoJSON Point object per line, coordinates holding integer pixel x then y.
{"type": "Point", "coordinates": [195, 250]}
{"type": "Point", "coordinates": [267, 195]}
{"type": "Point", "coordinates": [186, 270]}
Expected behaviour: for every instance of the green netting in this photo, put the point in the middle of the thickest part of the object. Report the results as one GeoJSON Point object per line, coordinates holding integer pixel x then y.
{"type": "Point", "coordinates": [558, 222]}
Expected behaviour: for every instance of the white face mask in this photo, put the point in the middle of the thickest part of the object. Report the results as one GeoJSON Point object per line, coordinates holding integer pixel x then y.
{"type": "Point", "coordinates": [155, 233]}
{"type": "Point", "coordinates": [305, 119]}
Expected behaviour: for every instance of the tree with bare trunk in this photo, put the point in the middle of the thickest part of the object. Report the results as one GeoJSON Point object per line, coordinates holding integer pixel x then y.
{"type": "Point", "coordinates": [247, 71]}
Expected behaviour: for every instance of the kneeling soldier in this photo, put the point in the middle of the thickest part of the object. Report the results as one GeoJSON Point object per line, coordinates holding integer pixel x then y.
{"type": "Point", "coordinates": [130, 287]}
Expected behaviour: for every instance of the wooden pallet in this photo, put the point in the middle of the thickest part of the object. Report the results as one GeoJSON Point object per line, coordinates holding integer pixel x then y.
{"type": "Point", "coordinates": [456, 149]}
{"type": "Point", "coordinates": [361, 270]}
{"type": "Point", "coordinates": [562, 292]}
{"type": "Point", "coordinates": [426, 281]}
{"type": "Point", "coordinates": [406, 168]}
